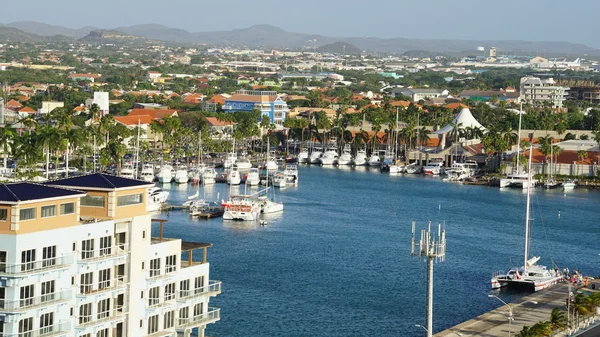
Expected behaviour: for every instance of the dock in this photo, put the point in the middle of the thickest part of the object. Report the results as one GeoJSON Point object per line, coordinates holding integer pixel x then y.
{"type": "Point", "coordinates": [525, 313]}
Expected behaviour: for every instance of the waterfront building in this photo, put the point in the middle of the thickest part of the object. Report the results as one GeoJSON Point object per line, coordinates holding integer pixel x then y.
{"type": "Point", "coordinates": [267, 102]}
{"type": "Point", "coordinates": [540, 91]}
{"type": "Point", "coordinates": [77, 258]}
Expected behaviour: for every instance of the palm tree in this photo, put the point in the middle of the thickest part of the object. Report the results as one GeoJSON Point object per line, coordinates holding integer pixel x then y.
{"type": "Point", "coordinates": [581, 156]}
{"type": "Point", "coordinates": [7, 135]}
{"type": "Point", "coordinates": [74, 138]}
{"type": "Point", "coordinates": [558, 320]}
{"type": "Point", "coordinates": [46, 135]}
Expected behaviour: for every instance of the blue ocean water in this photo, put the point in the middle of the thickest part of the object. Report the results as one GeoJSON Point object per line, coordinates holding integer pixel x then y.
{"type": "Point", "coordinates": [337, 262]}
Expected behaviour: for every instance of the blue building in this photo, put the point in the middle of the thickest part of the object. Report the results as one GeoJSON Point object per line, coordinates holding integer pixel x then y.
{"type": "Point", "coordinates": [267, 102]}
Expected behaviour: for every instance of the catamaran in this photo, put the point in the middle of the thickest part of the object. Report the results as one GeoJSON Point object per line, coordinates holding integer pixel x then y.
{"type": "Point", "coordinates": [531, 275]}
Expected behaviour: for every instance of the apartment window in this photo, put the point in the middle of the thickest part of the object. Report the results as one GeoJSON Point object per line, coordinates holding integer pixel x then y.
{"type": "Point", "coordinates": [26, 327]}
{"type": "Point", "coordinates": [87, 249]}
{"type": "Point", "coordinates": [28, 260]}
{"type": "Point", "coordinates": [104, 308]}
{"type": "Point", "coordinates": [27, 214]}
{"type": "Point", "coordinates": [86, 283]}
{"type": "Point", "coordinates": [198, 309]}
{"type": "Point", "coordinates": [102, 333]}
{"type": "Point", "coordinates": [85, 313]}
{"type": "Point", "coordinates": [2, 298]}
{"type": "Point", "coordinates": [105, 245]}
{"type": "Point", "coordinates": [2, 262]}
{"type": "Point", "coordinates": [68, 208]}
{"type": "Point", "coordinates": [184, 314]}
{"type": "Point", "coordinates": [26, 295]}
{"type": "Point", "coordinates": [104, 278]}
{"type": "Point", "coordinates": [47, 291]}
{"type": "Point", "coordinates": [48, 211]}
{"type": "Point", "coordinates": [169, 292]}
{"type": "Point", "coordinates": [49, 256]}
{"type": "Point", "coordinates": [1, 328]}
{"type": "Point", "coordinates": [155, 267]}
{"type": "Point", "coordinates": [153, 296]}
{"type": "Point", "coordinates": [92, 201]}
{"type": "Point", "coordinates": [169, 320]}
{"type": "Point", "coordinates": [198, 284]}
{"type": "Point", "coordinates": [152, 324]}
{"type": "Point", "coordinates": [184, 288]}
{"type": "Point", "coordinates": [46, 323]}
{"type": "Point", "coordinates": [132, 199]}
{"type": "Point", "coordinates": [170, 264]}
{"type": "Point", "coordinates": [3, 214]}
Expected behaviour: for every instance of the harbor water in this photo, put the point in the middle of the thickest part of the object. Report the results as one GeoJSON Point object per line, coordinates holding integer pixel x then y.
{"type": "Point", "coordinates": [337, 261]}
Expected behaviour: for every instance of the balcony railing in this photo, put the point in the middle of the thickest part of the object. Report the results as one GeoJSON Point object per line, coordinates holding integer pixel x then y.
{"type": "Point", "coordinates": [88, 256]}
{"type": "Point", "coordinates": [158, 273]}
{"type": "Point", "coordinates": [35, 267]}
{"type": "Point", "coordinates": [117, 313]}
{"type": "Point", "coordinates": [211, 316]}
{"type": "Point", "coordinates": [49, 331]}
{"type": "Point", "coordinates": [213, 288]}
{"type": "Point", "coordinates": [117, 283]}
{"type": "Point", "coordinates": [33, 302]}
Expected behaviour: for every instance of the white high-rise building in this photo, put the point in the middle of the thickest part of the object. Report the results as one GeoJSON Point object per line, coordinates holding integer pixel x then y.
{"type": "Point", "coordinates": [538, 91]}
{"type": "Point", "coordinates": [77, 258]}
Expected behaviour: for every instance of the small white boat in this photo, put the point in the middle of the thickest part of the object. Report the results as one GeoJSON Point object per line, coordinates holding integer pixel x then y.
{"type": "Point", "coordinates": [375, 160]}
{"type": "Point", "coordinates": [234, 177]}
{"type": "Point", "coordinates": [346, 156]}
{"type": "Point", "coordinates": [242, 164]}
{"type": "Point", "coordinates": [413, 168]}
{"type": "Point", "coordinates": [569, 185]}
{"type": "Point", "coordinates": [330, 156]}
{"type": "Point", "coordinates": [155, 198]}
{"type": "Point", "coordinates": [291, 174]}
{"type": "Point", "coordinates": [397, 168]}
{"type": "Point", "coordinates": [279, 179]}
{"type": "Point", "coordinates": [209, 176]}
{"type": "Point", "coordinates": [303, 156]}
{"type": "Point", "coordinates": [229, 160]}
{"type": "Point", "coordinates": [253, 177]}
{"type": "Point", "coordinates": [315, 156]}
{"type": "Point", "coordinates": [165, 175]}
{"type": "Point", "coordinates": [147, 173]}
{"type": "Point", "coordinates": [195, 174]}
{"type": "Point", "coordinates": [361, 158]}
{"type": "Point", "coordinates": [127, 171]}
{"type": "Point", "coordinates": [181, 175]}
{"type": "Point", "coordinates": [269, 206]}
{"type": "Point", "coordinates": [271, 165]}
{"type": "Point", "coordinates": [434, 167]}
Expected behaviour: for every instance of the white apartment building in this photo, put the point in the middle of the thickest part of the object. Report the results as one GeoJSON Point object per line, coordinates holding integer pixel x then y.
{"type": "Point", "coordinates": [77, 258]}
{"type": "Point", "coordinates": [538, 91]}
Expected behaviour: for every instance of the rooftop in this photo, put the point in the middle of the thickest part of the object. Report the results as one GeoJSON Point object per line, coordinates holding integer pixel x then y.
{"type": "Point", "coordinates": [25, 191]}
{"type": "Point", "coordinates": [99, 181]}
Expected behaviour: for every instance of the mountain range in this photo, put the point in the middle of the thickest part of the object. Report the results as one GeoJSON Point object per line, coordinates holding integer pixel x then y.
{"type": "Point", "coordinates": [268, 36]}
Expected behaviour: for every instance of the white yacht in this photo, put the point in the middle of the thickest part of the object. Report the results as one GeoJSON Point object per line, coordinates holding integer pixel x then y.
{"type": "Point", "coordinates": [361, 158]}
{"type": "Point", "coordinates": [397, 167]}
{"type": "Point", "coordinates": [315, 156]}
{"type": "Point", "coordinates": [375, 160]}
{"type": "Point", "coordinates": [209, 176]}
{"type": "Point", "coordinates": [269, 206]}
{"type": "Point", "coordinates": [569, 184]}
{"type": "Point", "coordinates": [434, 167]}
{"type": "Point", "coordinates": [413, 168]}
{"type": "Point", "coordinates": [127, 171]}
{"type": "Point", "coordinates": [531, 276]}
{"type": "Point", "coordinates": [291, 174]}
{"type": "Point", "coordinates": [330, 156]}
{"type": "Point", "coordinates": [242, 164]}
{"type": "Point", "coordinates": [229, 160]}
{"type": "Point", "coordinates": [165, 175]}
{"type": "Point", "coordinates": [519, 180]}
{"type": "Point", "coordinates": [181, 175]}
{"type": "Point", "coordinates": [241, 207]}
{"type": "Point", "coordinates": [195, 174]}
{"type": "Point", "coordinates": [279, 179]}
{"type": "Point", "coordinates": [156, 197]}
{"type": "Point", "coordinates": [253, 177]}
{"type": "Point", "coordinates": [147, 173]}
{"type": "Point", "coordinates": [234, 177]}
{"type": "Point", "coordinates": [303, 156]}
{"type": "Point", "coordinates": [346, 156]}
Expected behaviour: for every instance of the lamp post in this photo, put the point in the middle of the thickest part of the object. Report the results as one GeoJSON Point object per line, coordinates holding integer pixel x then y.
{"type": "Point", "coordinates": [510, 310]}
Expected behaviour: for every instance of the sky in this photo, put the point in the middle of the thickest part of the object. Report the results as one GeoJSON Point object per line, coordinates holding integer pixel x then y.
{"type": "Point", "coordinates": [534, 20]}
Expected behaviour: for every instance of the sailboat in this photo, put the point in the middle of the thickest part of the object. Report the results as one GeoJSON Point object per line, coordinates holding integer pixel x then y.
{"type": "Point", "coordinates": [396, 167]}
{"type": "Point", "coordinates": [531, 275]}
{"type": "Point", "coordinates": [550, 183]}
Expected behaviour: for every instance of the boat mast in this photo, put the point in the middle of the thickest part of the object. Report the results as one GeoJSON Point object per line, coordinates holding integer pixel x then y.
{"type": "Point", "coordinates": [527, 209]}
{"type": "Point", "coordinates": [396, 137]}
{"type": "Point", "coordinates": [519, 139]}
{"type": "Point", "coordinates": [200, 146]}
{"type": "Point", "coordinates": [137, 151]}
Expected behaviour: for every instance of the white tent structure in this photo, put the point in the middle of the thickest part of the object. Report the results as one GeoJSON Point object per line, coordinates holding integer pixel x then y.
{"type": "Point", "coordinates": [464, 119]}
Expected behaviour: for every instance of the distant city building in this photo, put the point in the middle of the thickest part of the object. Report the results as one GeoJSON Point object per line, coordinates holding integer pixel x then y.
{"type": "Point", "coordinates": [493, 52]}
{"type": "Point", "coordinates": [508, 94]}
{"type": "Point", "coordinates": [538, 91]}
{"type": "Point", "coordinates": [309, 76]}
{"type": "Point", "coordinates": [48, 107]}
{"type": "Point", "coordinates": [101, 99]}
{"type": "Point", "coordinates": [1, 111]}
{"type": "Point", "coordinates": [267, 102]}
{"type": "Point", "coordinates": [420, 94]}
{"type": "Point", "coordinates": [84, 77]}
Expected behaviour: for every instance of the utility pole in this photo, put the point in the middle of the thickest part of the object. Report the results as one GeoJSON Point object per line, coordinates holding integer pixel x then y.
{"type": "Point", "coordinates": [433, 249]}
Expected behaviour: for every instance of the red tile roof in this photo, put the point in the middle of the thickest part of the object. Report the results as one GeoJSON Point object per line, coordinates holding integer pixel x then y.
{"type": "Point", "coordinates": [13, 104]}
{"type": "Point", "coordinates": [27, 110]}
{"type": "Point", "coordinates": [193, 98]}
{"type": "Point", "coordinates": [217, 99]}
{"type": "Point", "coordinates": [84, 75]}
{"type": "Point", "coordinates": [134, 120]}
{"type": "Point", "coordinates": [213, 121]}
{"type": "Point", "coordinates": [453, 106]}
{"type": "Point", "coordinates": [155, 114]}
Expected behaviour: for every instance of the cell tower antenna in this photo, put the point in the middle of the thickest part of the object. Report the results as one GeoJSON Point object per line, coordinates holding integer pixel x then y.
{"type": "Point", "coordinates": [433, 249]}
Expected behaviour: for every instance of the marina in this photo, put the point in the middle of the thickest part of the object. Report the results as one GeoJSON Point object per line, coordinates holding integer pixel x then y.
{"type": "Point", "coordinates": [335, 248]}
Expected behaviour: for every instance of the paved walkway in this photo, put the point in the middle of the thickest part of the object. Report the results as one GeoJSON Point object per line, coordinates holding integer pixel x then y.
{"type": "Point", "coordinates": [495, 322]}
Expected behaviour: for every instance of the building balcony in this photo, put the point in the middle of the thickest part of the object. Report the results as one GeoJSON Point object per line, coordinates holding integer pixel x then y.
{"type": "Point", "coordinates": [162, 333]}
{"type": "Point", "coordinates": [115, 315]}
{"type": "Point", "coordinates": [59, 329]}
{"type": "Point", "coordinates": [35, 267]}
{"type": "Point", "coordinates": [213, 289]}
{"type": "Point", "coordinates": [158, 274]}
{"type": "Point", "coordinates": [160, 302]}
{"type": "Point", "coordinates": [103, 254]}
{"type": "Point", "coordinates": [116, 284]}
{"type": "Point", "coordinates": [211, 316]}
{"type": "Point", "coordinates": [25, 304]}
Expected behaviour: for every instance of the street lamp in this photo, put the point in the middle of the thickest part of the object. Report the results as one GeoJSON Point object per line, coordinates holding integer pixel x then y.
{"type": "Point", "coordinates": [420, 326]}
{"type": "Point", "coordinates": [510, 309]}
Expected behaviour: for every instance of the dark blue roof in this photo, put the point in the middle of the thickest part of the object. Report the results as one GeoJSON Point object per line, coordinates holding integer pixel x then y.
{"type": "Point", "coordinates": [31, 191]}
{"type": "Point", "coordinates": [98, 180]}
